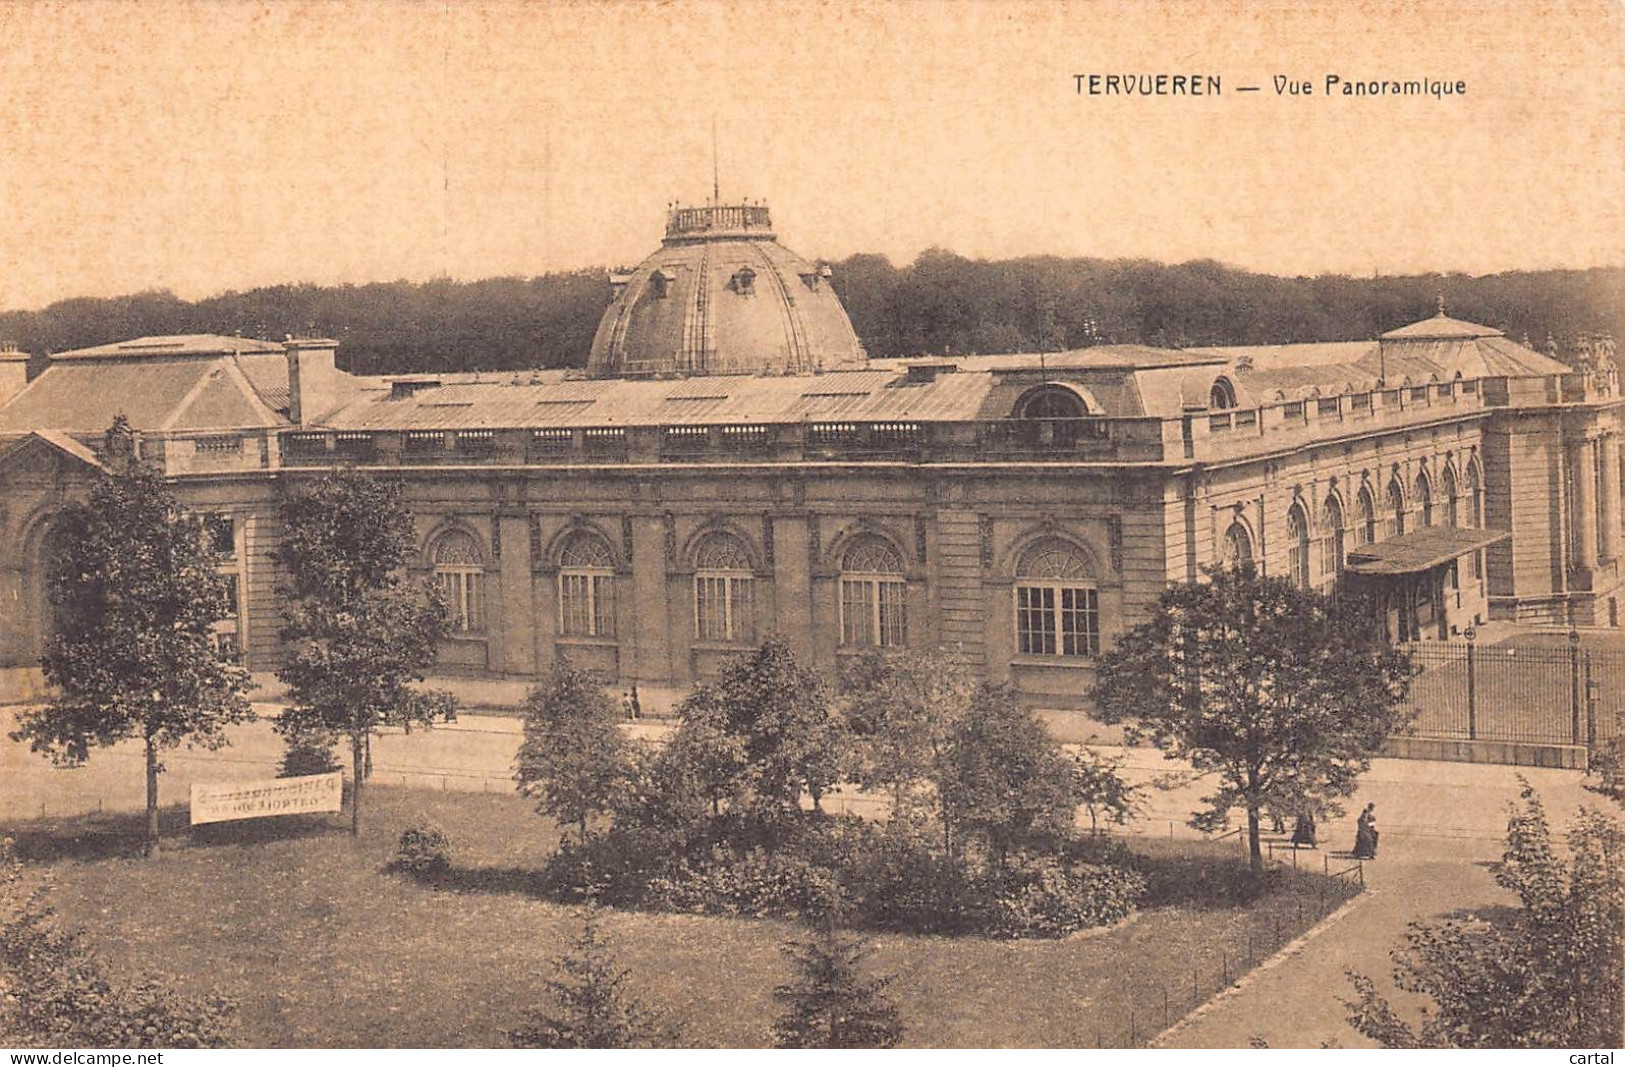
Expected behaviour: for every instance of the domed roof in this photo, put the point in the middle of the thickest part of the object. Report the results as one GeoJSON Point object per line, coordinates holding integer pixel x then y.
{"type": "Point", "coordinates": [722, 296]}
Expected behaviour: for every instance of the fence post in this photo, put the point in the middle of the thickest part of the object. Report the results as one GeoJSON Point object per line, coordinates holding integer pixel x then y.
{"type": "Point", "coordinates": [1472, 686]}
{"type": "Point", "coordinates": [1574, 686]}
{"type": "Point", "coordinates": [1591, 706]}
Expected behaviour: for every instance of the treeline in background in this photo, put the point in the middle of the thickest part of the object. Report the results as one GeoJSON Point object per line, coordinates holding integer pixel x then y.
{"type": "Point", "coordinates": [941, 303]}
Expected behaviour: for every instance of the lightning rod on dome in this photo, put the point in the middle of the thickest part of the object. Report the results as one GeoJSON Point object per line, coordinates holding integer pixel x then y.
{"type": "Point", "coordinates": [716, 170]}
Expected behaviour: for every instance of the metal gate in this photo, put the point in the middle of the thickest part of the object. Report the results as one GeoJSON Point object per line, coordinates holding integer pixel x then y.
{"type": "Point", "coordinates": [1522, 693]}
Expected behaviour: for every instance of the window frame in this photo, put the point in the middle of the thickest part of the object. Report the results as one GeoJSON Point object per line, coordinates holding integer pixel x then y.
{"type": "Point", "coordinates": [1298, 551]}
{"type": "Point", "coordinates": [1365, 518]}
{"type": "Point", "coordinates": [462, 583]}
{"type": "Point", "coordinates": [882, 595]}
{"type": "Point", "coordinates": [730, 589]}
{"type": "Point", "coordinates": [586, 590]}
{"type": "Point", "coordinates": [1332, 557]}
{"type": "Point", "coordinates": [1229, 555]}
{"type": "Point", "coordinates": [1045, 625]}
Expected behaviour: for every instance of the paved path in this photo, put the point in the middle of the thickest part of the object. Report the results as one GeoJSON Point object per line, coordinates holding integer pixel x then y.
{"type": "Point", "coordinates": [1433, 862]}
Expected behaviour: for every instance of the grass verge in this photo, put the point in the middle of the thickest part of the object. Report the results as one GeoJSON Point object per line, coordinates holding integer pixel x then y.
{"type": "Point", "coordinates": [322, 948]}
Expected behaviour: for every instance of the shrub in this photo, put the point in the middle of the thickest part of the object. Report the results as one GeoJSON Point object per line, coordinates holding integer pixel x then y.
{"type": "Point", "coordinates": [57, 993]}
{"type": "Point", "coordinates": [759, 884]}
{"type": "Point", "coordinates": [1607, 766]}
{"type": "Point", "coordinates": [611, 868]}
{"type": "Point", "coordinates": [1040, 897]}
{"type": "Point", "coordinates": [423, 852]}
{"type": "Point", "coordinates": [307, 753]}
{"type": "Point", "coordinates": [904, 884]}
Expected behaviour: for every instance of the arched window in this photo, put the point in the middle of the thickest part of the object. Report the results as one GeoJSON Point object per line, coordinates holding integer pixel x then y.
{"type": "Point", "coordinates": [1238, 545]}
{"type": "Point", "coordinates": [1057, 604]}
{"type": "Point", "coordinates": [1365, 517]}
{"type": "Point", "coordinates": [586, 587]}
{"type": "Point", "coordinates": [461, 574]}
{"type": "Point", "coordinates": [1424, 500]}
{"type": "Point", "coordinates": [873, 596]}
{"type": "Point", "coordinates": [1222, 396]}
{"type": "Point", "coordinates": [1475, 513]}
{"type": "Point", "coordinates": [1053, 402]}
{"type": "Point", "coordinates": [1394, 524]}
{"type": "Point", "coordinates": [1452, 505]}
{"type": "Point", "coordinates": [724, 594]}
{"type": "Point", "coordinates": [1331, 537]}
{"type": "Point", "coordinates": [1297, 539]}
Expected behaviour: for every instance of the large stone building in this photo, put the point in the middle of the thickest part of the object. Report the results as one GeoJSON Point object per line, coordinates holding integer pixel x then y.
{"type": "Point", "coordinates": [730, 463]}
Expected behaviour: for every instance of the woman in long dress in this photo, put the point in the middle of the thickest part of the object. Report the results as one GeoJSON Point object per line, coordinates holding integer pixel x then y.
{"type": "Point", "coordinates": [1365, 834]}
{"type": "Point", "coordinates": [1303, 831]}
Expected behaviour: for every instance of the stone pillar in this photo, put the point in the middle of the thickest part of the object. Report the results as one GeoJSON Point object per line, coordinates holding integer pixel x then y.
{"type": "Point", "coordinates": [1582, 466]}
{"type": "Point", "coordinates": [792, 583]}
{"type": "Point", "coordinates": [513, 647]}
{"type": "Point", "coordinates": [1608, 497]}
{"type": "Point", "coordinates": [651, 659]}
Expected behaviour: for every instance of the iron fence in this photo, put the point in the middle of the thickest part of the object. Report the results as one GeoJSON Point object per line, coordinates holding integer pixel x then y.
{"type": "Point", "coordinates": [1525, 694]}
{"type": "Point", "coordinates": [1307, 885]}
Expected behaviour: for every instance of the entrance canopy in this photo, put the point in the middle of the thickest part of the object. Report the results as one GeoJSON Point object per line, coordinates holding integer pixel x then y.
{"type": "Point", "coordinates": [1420, 550]}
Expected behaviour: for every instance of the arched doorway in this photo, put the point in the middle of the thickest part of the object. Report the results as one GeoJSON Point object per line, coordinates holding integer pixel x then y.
{"type": "Point", "coordinates": [42, 546]}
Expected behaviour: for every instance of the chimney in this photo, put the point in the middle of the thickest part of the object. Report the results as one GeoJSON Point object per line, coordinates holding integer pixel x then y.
{"type": "Point", "coordinates": [13, 372]}
{"type": "Point", "coordinates": [312, 378]}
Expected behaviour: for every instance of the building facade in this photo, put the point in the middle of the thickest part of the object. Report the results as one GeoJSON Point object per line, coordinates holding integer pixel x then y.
{"type": "Point", "coordinates": [731, 464]}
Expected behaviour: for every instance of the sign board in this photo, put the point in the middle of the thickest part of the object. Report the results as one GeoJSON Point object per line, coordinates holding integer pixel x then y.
{"type": "Point", "coordinates": [220, 801]}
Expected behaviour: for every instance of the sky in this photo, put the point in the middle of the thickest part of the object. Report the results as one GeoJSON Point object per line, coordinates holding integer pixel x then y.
{"type": "Point", "coordinates": [223, 145]}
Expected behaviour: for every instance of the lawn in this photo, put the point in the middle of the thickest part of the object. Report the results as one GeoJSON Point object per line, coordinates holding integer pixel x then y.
{"type": "Point", "coordinates": [321, 947]}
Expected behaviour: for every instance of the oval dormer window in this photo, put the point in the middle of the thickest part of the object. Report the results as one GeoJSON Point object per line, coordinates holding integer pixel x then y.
{"type": "Point", "coordinates": [744, 281]}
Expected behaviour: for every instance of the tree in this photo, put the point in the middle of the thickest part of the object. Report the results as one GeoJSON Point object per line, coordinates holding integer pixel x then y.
{"type": "Point", "coordinates": [1283, 694]}
{"type": "Point", "coordinates": [831, 1004]}
{"type": "Point", "coordinates": [1100, 788]}
{"type": "Point", "coordinates": [1547, 977]}
{"type": "Point", "coordinates": [358, 635]}
{"type": "Point", "coordinates": [1005, 780]}
{"type": "Point", "coordinates": [902, 708]}
{"type": "Point", "coordinates": [137, 593]}
{"type": "Point", "coordinates": [704, 756]}
{"type": "Point", "coordinates": [777, 716]}
{"type": "Point", "coordinates": [573, 761]}
{"type": "Point", "coordinates": [591, 1007]}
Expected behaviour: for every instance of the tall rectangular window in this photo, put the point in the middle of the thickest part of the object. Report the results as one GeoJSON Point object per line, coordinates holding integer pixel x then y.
{"type": "Point", "coordinates": [1057, 620]}
{"type": "Point", "coordinates": [874, 612]}
{"type": "Point", "coordinates": [723, 608]}
{"type": "Point", "coordinates": [586, 604]}
{"type": "Point", "coordinates": [465, 597]}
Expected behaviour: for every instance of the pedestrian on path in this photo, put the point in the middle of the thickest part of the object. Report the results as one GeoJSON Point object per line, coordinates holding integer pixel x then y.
{"type": "Point", "coordinates": [1365, 834]}
{"type": "Point", "coordinates": [1303, 831]}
